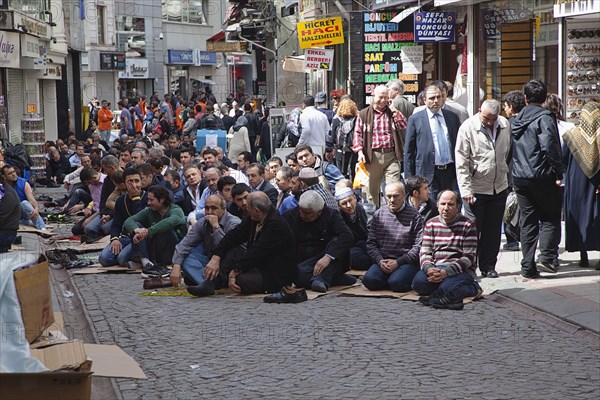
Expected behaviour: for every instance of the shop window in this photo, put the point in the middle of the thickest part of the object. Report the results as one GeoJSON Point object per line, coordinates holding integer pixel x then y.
{"type": "Point", "coordinates": [101, 14]}
{"type": "Point", "coordinates": [131, 35]}
{"type": "Point", "coordinates": [189, 11]}
{"type": "Point", "coordinates": [32, 8]}
{"type": "Point", "coordinates": [517, 42]}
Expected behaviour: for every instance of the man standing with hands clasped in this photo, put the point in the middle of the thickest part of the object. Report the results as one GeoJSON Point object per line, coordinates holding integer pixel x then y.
{"type": "Point", "coordinates": [482, 157]}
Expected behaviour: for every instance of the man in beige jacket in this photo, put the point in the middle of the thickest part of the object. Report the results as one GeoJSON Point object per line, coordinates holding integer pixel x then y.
{"type": "Point", "coordinates": [482, 154]}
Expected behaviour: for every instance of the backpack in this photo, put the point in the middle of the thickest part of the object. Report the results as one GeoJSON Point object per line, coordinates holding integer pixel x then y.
{"type": "Point", "coordinates": [345, 134]}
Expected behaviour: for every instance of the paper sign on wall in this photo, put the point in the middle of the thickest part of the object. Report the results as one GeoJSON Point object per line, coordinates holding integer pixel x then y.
{"type": "Point", "coordinates": [318, 59]}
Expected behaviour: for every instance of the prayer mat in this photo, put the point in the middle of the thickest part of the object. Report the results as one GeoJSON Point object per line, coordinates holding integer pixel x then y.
{"type": "Point", "coordinates": [361, 291]}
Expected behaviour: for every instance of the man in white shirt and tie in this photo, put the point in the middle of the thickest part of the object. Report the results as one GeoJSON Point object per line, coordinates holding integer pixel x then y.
{"type": "Point", "coordinates": [430, 142]}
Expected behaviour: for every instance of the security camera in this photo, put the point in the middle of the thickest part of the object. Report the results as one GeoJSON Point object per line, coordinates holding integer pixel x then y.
{"type": "Point", "coordinates": [160, 36]}
{"type": "Point", "coordinates": [53, 38]}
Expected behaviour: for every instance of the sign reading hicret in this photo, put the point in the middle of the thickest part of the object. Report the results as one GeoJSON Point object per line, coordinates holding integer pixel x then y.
{"type": "Point", "coordinates": [320, 32]}
{"type": "Point", "coordinates": [318, 59]}
{"type": "Point", "coordinates": [434, 26]}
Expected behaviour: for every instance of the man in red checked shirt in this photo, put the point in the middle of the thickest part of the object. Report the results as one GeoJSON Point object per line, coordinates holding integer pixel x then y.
{"type": "Point", "coordinates": [379, 142]}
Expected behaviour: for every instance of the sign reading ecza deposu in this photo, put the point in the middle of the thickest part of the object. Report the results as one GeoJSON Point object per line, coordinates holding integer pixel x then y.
{"type": "Point", "coordinates": [320, 32]}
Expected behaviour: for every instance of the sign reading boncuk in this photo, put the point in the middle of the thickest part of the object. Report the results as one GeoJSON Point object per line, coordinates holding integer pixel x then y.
{"type": "Point", "coordinates": [320, 32]}
{"type": "Point", "coordinates": [383, 42]}
{"type": "Point", "coordinates": [434, 26]}
{"type": "Point", "coordinates": [318, 59]}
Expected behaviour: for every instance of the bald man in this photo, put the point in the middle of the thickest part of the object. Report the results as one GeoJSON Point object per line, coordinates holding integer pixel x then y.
{"type": "Point", "coordinates": [394, 243]}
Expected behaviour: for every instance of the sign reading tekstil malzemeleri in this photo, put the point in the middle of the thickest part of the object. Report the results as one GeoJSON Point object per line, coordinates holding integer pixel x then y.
{"type": "Point", "coordinates": [320, 32]}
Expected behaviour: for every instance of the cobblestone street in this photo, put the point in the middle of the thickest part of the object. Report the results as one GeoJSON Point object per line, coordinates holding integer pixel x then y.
{"type": "Point", "coordinates": [335, 347]}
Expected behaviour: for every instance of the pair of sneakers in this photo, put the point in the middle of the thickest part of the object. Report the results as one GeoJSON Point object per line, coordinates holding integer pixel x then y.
{"type": "Point", "coordinates": [155, 271]}
{"type": "Point", "coordinates": [442, 300]}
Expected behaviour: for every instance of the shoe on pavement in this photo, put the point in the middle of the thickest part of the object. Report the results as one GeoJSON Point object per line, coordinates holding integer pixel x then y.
{"type": "Point", "coordinates": [531, 275]}
{"type": "Point", "coordinates": [318, 286]}
{"type": "Point", "coordinates": [155, 270]}
{"type": "Point", "coordinates": [511, 246]}
{"type": "Point", "coordinates": [491, 274]}
{"type": "Point", "coordinates": [546, 267]}
{"type": "Point", "coordinates": [206, 288]}
{"type": "Point", "coordinates": [424, 300]}
{"type": "Point", "coordinates": [344, 280]}
{"type": "Point", "coordinates": [446, 301]}
{"type": "Point", "coordinates": [287, 295]}
{"type": "Point", "coordinates": [157, 282]}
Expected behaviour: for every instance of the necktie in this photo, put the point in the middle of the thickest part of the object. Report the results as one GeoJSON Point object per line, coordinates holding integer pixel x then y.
{"type": "Point", "coordinates": [441, 140]}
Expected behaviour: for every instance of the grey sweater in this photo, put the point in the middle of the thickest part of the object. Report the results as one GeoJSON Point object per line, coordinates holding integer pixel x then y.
{"type": "Point", "coordinates": [202, 233]}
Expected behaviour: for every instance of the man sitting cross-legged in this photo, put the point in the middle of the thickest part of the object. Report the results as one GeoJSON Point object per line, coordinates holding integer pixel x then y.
{"type": "Point", "coordinates": [155, 231]}
{"type": "Point", "coordinates": [195, 250]}
{"type": "Point", "coordinates": [322, 241]}
{"type": "Point", "coordinates": [448, 257]}
{"type": "Point", "coordinates": [355, 217]}
{"type": "Point", "coordinates": [269, 262]}
{"type": "Point", "coordinates": [118, 251]}
{"type": "Point", "coordinates": [394, 242]}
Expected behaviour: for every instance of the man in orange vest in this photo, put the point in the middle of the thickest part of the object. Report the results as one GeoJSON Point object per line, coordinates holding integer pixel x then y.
{"type": "Point", "coordinates": [105, 117]}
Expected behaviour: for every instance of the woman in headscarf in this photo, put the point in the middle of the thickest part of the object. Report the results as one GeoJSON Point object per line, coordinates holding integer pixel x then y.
{"type": "Point", "coordinates": [238, 138]}
{"type": "Point", "coordinates": [581, 154]}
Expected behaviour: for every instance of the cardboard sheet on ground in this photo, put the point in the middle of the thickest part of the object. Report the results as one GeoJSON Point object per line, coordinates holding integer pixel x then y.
{"type": "Point", "coordinates": [112, 362]}
{"type": "Point", "coordinates": [96, 246]}
{"type": "Point", "coordinates": [361, 291]}
{"type": "Point", "coordinates": [88, 271]}
{"type": "Point", "coordinates": [356, 272]}
{"type": "Point", "coordinates": [31, 229]}
{"type": "Point", "coordinates": [415, 297]}
{"type": "Point", "coordinates": [99, 269]}
{"type": "Point", "coordinates": [180, 291]}
{"type": "Point", "coordinates": [309, 293]}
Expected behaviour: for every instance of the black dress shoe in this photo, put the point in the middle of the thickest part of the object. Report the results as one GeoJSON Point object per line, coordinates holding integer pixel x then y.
{"type": "Point", "coordinates": [287, 295]}
{"type": "Point", "coordinates": [206, 288]}
{"type": "Point", "coordinates": [491, 274]}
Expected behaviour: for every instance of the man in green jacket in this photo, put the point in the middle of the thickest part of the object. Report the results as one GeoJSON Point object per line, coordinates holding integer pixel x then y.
{"type": "Point", "coordinates": [155, 231]}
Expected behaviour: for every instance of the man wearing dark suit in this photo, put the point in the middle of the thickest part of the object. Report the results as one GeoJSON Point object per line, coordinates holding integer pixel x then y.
{"type": "Point", "coordinates": [430, 141]}
{"type": "Point", "coordinates": [256, 178]}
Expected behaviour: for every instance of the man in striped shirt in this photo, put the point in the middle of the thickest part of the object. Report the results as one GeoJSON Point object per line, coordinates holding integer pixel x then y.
{"type": "Point", "coordinates": [448, 257]}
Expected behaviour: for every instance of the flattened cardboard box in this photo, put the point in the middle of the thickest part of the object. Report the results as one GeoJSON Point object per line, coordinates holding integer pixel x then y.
{"type": "Point", "coordinates": [33, 290]}
{"type": "Point", "coordinates": [107, 361]}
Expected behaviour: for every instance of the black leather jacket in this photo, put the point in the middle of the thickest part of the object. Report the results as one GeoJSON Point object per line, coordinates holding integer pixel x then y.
{"type": "Point", "coordinates": [536, 145]}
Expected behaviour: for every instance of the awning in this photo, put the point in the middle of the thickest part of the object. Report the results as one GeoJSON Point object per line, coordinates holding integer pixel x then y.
{"type": "Point", "coordinates": [218, 37]}
{"type": "Point", "coordinates": [294, 64]}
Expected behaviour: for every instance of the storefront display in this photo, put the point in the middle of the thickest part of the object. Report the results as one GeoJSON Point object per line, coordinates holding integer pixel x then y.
{"type": "Point", "coordinates": [34, 136]}
{"type": "Point", "coordinates": [582, 67]}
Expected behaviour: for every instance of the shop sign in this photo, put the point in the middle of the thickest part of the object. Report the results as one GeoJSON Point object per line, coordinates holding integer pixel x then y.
{"type": "Point", "coordinates": [31, 108]}
{"type": "Point", "coordinates": [239, 59]}
{"type": "Point", "coordinates": [10, 54]}
{"type": "Point", "coordinates": [434, 26]}
{"type": "Point", "coordinates": [226, 47]}
{"type": "Point", "coordinates": [318, 59]}
{"type": "Point", "coordinates": [204, 58]}
{"type": "Point", "coordinates": [112, 61]}
{"type": "Point", "coordinates": [53, 72]}
{"type": "Point", "coordinates": [569, 8]}
{"type": "Point", "coordinates": [491, 24]}
{"type": "Point", "coordinates": [383, 42]}
{"type": "Point", "coordinates": [31, 46]}
{"type": "Point", "coordinates": [135, 68]}
{"type": "Point", "coordinates": [184, 57]}
{"type": "Point", "coordinates": [320, 32]}
{"type": "Point", "coordinates": [412, 59]}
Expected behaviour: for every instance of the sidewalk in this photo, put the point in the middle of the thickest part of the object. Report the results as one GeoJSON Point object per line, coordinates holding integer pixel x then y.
{"type": "Point", "coordinates": [571, 295]}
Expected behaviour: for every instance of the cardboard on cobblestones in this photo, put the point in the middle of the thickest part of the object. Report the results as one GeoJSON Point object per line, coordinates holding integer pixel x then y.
{"type": "Point", "coordinates": [362, 291]}
{"type": "Point", "coordinates": [88, 271]}
{"type": "Point", "coordinates": [31, 229]}
{"type": "Point", "coordinates": [96, 246]}
{"type": "Point", "coordinates": [413, 296]}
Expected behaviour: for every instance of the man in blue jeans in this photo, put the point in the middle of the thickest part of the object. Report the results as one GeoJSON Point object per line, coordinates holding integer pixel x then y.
{"type": "Point", "coordinates": [448, 257]}
{"type": "Point", "coordinates": [195, 250]}
{"type": "Point", "coordinates": [118, 251]}
{"type": "Point", "coordinates": [30, 213]}
{"type": "Point", "coordinates": [394, 243]}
